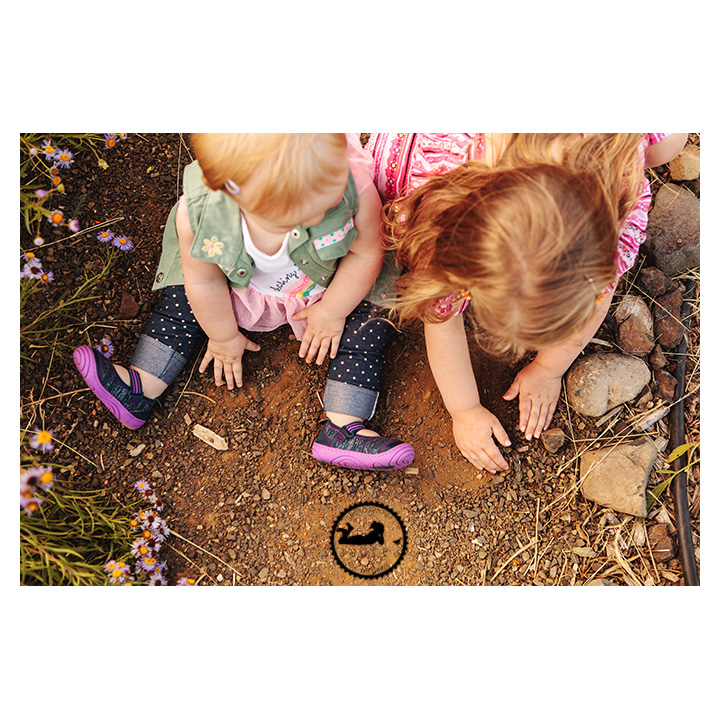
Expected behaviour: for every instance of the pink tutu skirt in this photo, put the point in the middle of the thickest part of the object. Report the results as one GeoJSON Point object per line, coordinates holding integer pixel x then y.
{"type": "Point", "coordinates": [259, 312]}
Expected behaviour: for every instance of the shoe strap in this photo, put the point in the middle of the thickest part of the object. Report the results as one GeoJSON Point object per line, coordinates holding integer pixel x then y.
{"type": "Point", "coordinates": [135, 382]}
{"type": "Point", "coordinates": [354, 427]}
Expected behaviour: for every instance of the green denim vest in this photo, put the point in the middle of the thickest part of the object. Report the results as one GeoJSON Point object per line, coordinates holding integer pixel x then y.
{"type": "Point", "coordinates": [216, 222]}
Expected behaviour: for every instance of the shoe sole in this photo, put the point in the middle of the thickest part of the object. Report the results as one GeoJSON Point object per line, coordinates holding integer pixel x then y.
{"type": "Point", "coordinates": [84, 359]}
{"type": "Point", "coordinates": [398, 457]}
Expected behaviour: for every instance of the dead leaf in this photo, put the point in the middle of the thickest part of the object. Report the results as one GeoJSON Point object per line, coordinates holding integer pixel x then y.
{"type": "Point", "coordinates": [584, 551]}
{"type": "Point", "coordinates": [209, 437]}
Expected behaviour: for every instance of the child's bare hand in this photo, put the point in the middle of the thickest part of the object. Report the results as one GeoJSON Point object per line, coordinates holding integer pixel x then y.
{"type": "Point", "coordinates": [474, 430]}
{"type": "Point", "coordinates": [539, 390]}
{"type": "Point", "coordinates": [323, 332]}
{"type": "Point", "coordinates": [227, 358]}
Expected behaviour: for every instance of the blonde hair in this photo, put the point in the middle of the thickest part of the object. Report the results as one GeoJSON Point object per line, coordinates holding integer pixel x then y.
{"type": "Point", "coordinates": [286, 166]}
{"type": "Point", "coordinates": [532, 239]}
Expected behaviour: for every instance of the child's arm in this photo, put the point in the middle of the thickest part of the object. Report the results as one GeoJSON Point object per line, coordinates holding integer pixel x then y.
{"type": "Point", "coordinates": [209, 297]}
{"type": "Point", "coordinates": [539, 383]}
{"type": "Point", "coordinates": [354, 277]}
{"type": "Point", "coordinates": [473, 425]}
{"type": "Point", "coordinates": [665, 150]}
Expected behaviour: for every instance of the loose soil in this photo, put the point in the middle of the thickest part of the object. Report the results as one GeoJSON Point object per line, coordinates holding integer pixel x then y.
{"type": "Point", "coordinates": [262, 511]}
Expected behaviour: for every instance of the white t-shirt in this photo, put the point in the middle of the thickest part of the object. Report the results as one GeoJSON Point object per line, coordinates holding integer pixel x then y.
{"type": "Point", "coordinates": [277, 274]}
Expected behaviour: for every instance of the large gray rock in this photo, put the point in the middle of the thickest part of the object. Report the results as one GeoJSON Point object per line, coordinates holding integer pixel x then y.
{"type": "Point", "coordinates": [673, 231]}
{"type": "Point", "coordinates": [617, 477]}
{"type": "Point", "coordinates": [599, 382]}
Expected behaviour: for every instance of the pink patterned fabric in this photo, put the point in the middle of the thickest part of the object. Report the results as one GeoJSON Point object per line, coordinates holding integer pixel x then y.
{"type": "Point", "coordinates": [254, 310]}
{"type": "Point", "coordinates": [404, 161]}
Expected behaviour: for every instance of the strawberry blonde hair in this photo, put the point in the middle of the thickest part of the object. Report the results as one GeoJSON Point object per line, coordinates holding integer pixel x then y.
{"type": "Point", "coordinates": [533, 239]}
{"type": "Point", "coordinates": [288, 166]}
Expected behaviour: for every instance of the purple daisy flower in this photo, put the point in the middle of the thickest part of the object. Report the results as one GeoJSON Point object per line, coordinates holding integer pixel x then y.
{"type": "Point", "coordinates": [105, 236]}
{"type": "Point", "coordinates": [146, 564]}
{"type": "Point", "coordinates": [47, 277]}
{"type": "Point", "coordinates": [105, 348]}
{"type": "Point", "coordinates": [185, 581]}
{"type": "Point", "coordinates": [32, 268]}
{"type": "Point", "coordinates": [160, 528]}
{"type": "Point", "coordinates": [120, 241]}
{"type": "Point", "coordinates": [56, 218]}
{"type": "Point", "coordinates": [118, 572]}
{"type": "Point", "coordinates": [156, 578]}
{"type": "Point", "coordinates": [140, 548]}
{"type": "Point", "coordinates": [42, 440]}
{"type": "Point", "coordinates": [46, 478]}
{"type": "Point", "coordinates": [30, 503]}
{"type": "Point", "coordinates": [110, 140]}
{"type": "Point", "coordinates": [41, 193]}
{"type": "Point", "coordinates": [142, 486]}
{"type": "Point", "coordinates": [63, 158]}
{"type": "Point", "coordinates": [48, 150]}
{"type": "Point", "coordinates": [74, 225]}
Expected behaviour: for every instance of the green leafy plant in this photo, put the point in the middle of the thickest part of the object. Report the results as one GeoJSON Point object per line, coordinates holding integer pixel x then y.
{"type": "Point", "coordinates": [67, 535]}
{"type": "Point", "coordinates": [679, 451]}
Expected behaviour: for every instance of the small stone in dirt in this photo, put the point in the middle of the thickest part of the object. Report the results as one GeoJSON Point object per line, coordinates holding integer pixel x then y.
{"type": "Point", "coordinates": [553, 439]}
{"type": "Point", "coordinates": [686, 166]}
{"type": "Point", "coordinates": [663, 547]}
{"type": "Point", "coordinates": [666, 385]}
{"type": "Point", "coordinates": [653, 281]}
{"type": "Point", "coordinates": [667, 313]}
{"type": "Point", "coordinates": [657, 358]}
{"type": "Point", "coordinates": [209, 437]}
{"type": "Point", "coordinates": [263, 573]}
{"type": "Point", "coordinates": [265, 494]}
{"type": "Point", "coordinates": [635, 326]}
{"type": "Point", "coordinates": [136, 451]}
{"type": "Point", "coordinates": [128, 307]}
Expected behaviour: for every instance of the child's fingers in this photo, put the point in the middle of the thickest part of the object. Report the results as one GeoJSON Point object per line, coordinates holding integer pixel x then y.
{"type": "Point", "coordinates": [335, 345]}
{"type": "Point", "coordinates": [512, 391]}
{"type": "Point", "coordinates": [205, 361]}
{"type": "Point", "coordinates": [500, 435]}
{"type": "Point", "coordinates": [325, 348]}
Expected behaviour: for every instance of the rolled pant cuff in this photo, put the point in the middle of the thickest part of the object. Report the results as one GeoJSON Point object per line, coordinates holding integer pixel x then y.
{"type": "Point", "coordinates": [349, 399]}
{"type": "Point", "coordinates": [157, 359]}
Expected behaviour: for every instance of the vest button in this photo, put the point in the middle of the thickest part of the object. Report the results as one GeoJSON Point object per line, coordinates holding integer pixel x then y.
{"type": "Point", "coordinates": [242, 272]}
{"type": "Point", "coordinates": [303, 262]}
{"type": "Point", "coordinates": [295, 233]}
{"type": "Point", "coordinates": [324, 277]}
{"type": "Point", "coordinates": [384, 295]}
{"type": "Point", "coordinates": [159, 277]}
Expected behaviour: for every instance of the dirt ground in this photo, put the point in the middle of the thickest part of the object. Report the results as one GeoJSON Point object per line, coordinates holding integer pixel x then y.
{"type": "Point", "coordinates": [262, 512]}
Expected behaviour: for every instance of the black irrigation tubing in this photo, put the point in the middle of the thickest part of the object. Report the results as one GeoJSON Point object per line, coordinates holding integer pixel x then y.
{"type": "Point", "coordinates": [677, 437]}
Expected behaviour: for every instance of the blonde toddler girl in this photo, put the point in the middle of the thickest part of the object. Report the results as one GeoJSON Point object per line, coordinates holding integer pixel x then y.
{"type": "Point", "coordinates": [271, 229]}
{"type": "Point", "coordinates": [532, 232]}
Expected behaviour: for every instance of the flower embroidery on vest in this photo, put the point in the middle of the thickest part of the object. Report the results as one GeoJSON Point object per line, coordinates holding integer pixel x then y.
{"type": "Point", "coordinates": [334, 237]}
{"type": "Point", "coordinates": [213, 246]}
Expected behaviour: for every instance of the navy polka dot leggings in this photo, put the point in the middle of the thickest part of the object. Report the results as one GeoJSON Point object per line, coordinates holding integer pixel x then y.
{"type": "Point", "coordinates": [354, 376]}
